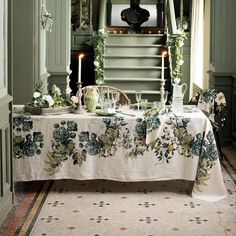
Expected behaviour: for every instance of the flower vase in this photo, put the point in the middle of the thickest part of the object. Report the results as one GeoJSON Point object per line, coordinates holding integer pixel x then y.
{"type": "Point", "coordinates": [91, 98]}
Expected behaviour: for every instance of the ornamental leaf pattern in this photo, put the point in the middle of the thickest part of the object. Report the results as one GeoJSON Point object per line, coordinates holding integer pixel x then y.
{"type": "Point", "coordinates": [26, 142]}
{"type": "Point", "coordinates": [207, 159]}
{"type": "Point", "coordinates": [63, 145]}
{"type": "Point", "coordinates": [105, 144]}
{"type": "Point", "coordinates": [139, 145]}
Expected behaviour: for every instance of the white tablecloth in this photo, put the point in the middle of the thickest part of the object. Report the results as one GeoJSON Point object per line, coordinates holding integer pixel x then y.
{"type": "Point", "coordinates": [121, 147]}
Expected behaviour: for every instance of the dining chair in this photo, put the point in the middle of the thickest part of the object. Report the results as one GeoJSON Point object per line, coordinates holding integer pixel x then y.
{"type": "Point", "coordinates": [121, 99]}
{"type": "Point", "coordinates": [213, 104]}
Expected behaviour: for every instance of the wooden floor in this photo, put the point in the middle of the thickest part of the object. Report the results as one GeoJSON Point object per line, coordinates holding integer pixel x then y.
{"type": "Point", "coordinates": [230, 156]}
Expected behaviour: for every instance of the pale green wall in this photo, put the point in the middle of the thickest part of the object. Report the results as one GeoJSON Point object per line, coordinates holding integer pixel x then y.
{"type": "Point", "coordinates": [6, 191]}
{"type": "Point", "coordinates": [223, 36]}
{"type": "Point", "coordinates": [223, 60]}
{"type": "Point", "coordinates": [29, 50]}
{"type": "Point", "coordinates": [23, 50]}
{"type": "Point", "coordinates": [59, 43]}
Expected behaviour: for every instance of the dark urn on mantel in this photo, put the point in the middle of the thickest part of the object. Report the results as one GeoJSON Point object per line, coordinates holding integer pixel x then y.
{"type": "Point", "coordinates": [135, 16]}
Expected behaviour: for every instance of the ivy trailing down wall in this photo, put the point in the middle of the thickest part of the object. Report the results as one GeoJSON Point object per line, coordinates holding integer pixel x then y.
{"type": "Point", "coordinates": [175, 45]}
{"type": "Point", "coordinates": [98, 41]}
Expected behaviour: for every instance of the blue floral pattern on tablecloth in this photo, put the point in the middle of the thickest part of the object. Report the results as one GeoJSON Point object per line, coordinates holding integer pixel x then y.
{"type": "Point", "coordinates": [69, 144]}
{"type": "Point", "coordinates": [189, 144]}
{"type": "Point", "coordinates": [208, 157]}
{"type": "Point", "coordinates": [26, 142]}
{"type": "Point", "coordinates": [63, 145]}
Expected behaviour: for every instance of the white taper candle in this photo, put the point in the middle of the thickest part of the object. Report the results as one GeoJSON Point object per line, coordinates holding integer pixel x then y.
{"type": "Point", "coordinates": [79, 67]}
{"type": "Point", "coordinates": [163, 64]}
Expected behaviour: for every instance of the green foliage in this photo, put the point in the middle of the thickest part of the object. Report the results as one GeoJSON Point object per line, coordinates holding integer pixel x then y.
{"type": "Point", "coordinates": [98, 43]}
{"type": "Point", "coordinates": [39, 87]}
{"type": "Point", "coordinates": [54, 98]}
{"type": "Point", "coordinates": [175, 45]}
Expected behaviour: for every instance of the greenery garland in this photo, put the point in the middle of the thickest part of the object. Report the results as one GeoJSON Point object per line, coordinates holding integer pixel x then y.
{"type": "Point", "coordinates": [98, 42]}
{"type": "Point", "coordinates": [175, 45]}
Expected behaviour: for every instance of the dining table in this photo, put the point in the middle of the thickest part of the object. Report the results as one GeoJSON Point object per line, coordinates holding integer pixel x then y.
{"type": "Point", "coordinates": [126, 145]}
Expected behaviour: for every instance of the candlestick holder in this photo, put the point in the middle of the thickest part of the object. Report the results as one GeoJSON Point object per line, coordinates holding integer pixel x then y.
{"type": "Point", "coordinates": [162, 92]}
{"type": "Point", "coordinates": [79, 94]}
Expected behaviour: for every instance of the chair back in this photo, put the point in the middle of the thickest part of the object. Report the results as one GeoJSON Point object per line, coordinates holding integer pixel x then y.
{"type": "Point", "coordinates": [213, 104]}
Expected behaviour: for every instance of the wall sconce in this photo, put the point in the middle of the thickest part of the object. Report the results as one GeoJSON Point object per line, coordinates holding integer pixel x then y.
{"type": "Point", "coordinates": [46, 18]}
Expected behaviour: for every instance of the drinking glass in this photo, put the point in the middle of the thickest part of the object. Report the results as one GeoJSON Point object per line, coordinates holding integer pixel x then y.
{"type": "Point", "coordinates": [144, 104]}
{"type": "Point", "coordinates": [114, 98]}
{"type": "Point", "coordinates": [165, 96]}
{"type": "Point", "coordinates": [101, 97]}
{"type": "Point", "coordinates": [138, 97]}
{"type": "Point", "coordinates": [106, 99]}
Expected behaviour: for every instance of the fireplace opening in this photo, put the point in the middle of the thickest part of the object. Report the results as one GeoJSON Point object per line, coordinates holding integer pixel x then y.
{"type": "Point", "coordinates": [87, 69]}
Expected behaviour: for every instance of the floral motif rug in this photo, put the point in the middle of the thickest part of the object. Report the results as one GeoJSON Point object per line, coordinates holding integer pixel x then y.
{"type": "Point", "coordinates": [110, 208]}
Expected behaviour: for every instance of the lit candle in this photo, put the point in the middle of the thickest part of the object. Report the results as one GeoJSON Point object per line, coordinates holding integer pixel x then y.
{"type": "Point", "coordinates": [181, 13]}
{"type": "Point", "coordinates": [79, 67]}
{"type": "Point", "coordinates": [162, 64]}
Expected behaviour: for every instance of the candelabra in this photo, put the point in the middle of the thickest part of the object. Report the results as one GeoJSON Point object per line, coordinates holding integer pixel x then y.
{"type": "Point", "coordinates": [79, 94]}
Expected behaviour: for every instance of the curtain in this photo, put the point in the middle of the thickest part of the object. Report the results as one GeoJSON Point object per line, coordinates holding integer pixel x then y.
{"type": "Point", "coordinates": [197, 52]}
{"type": "Point", "coordinates": [207, 30]}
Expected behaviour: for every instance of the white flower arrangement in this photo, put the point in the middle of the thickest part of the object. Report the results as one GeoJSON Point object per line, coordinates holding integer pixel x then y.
{"type": "Point", "coordinates": [54, 98]}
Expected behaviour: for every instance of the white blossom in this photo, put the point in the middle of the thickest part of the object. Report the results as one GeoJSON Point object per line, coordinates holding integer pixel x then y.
{"type": "Point", "coordinates": [74, 99]}
{"type": "Point", "coordinates": [36, 94]}
{"type": "Point", "coordinates": [177, 80]}
{"type": "Point", "coordinates": [220, 98]}
{"type": "Point", "coordinates": [56, 90]}
{"type": "Point", "coordinates": [50, 103]}
{"type": "Point", "coordinates": [49, 99]}
{"type": "Point", "coordinates": [96, 64]}
{"type": "Point", "coordinates": [181, 43]}
{"type": "Point", "coordinates": [101, 31]}
{"type": "Point", "coordinates": [68, 90]}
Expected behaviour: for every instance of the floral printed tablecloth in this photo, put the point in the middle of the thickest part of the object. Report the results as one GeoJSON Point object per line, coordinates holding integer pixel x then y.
{"type": "Point", "coordinates": [160, 146]}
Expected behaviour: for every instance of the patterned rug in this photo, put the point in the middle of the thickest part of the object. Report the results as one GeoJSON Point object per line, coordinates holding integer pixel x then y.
{"type": "Point", "coordinates": [109, 208]}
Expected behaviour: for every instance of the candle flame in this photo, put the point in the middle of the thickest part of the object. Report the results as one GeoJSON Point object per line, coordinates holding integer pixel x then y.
{"type": "Point", "coordinates": [81, 55]}
{"type": "Point", "coordinates": [164, 53]}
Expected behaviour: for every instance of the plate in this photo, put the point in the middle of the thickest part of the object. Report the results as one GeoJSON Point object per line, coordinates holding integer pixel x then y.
{"type": "Point", "coordinates": [104, 113]}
